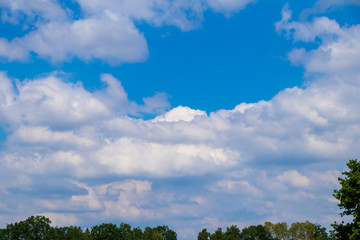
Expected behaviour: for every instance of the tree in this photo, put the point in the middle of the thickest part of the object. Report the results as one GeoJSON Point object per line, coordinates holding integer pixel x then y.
{"type": "Point", "coordinates": [203, 235]}
{"type": "Point", "coordinates": [232, 233]}
{"type": "Point", "coordinates": [258, 232]}
{"type": "Point", "coordinates": [125, 232]}
{"type": "Point", "coordinates": [302, 231]}
{"type": "Point", "coordinates": [137, 234]}
{"type": "Point", "coordinates": [166, 232]}
{"type": "Point", "coordinates": [218, 235]}
{"type": "Point", "coordinates": [341, 231]}
{"type": "Point", "coordinates": [349, 198]}
{"type": "Point", "coordinates": [105, 231]}
{"type": "Point", "coordinates": [33, 228]}
{"type": "Point", "coordinates": [279, 231]}
{"type": "Point", "coordinates": [320, 232]}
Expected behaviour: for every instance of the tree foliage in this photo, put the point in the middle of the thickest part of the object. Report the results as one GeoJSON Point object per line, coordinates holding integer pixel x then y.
{"type": "Point", "coordinates": [203, 235]}
{"type": "Point", "coordinates": [38, 228]}
{"type": "Point", "coordinates": [218, 235]}
{"type": "Point", "coordinates": [349, 201]}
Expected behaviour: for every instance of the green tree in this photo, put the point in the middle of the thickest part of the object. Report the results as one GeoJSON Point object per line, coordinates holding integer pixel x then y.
{"type": "Point", "coordinates": [203, 235]}
{"type": "Point", "coordinates": [105, 231]}
{"type": "Point", "coordinates": [137, 234]}
{"type": "Point", "coordinates": [152, 234]}
{"type": "Point", "coordinates": [166, 232]}
{"type": "Point", "coordinates": [258, 232]}
{"type": "Point", "coordinates": [341, 231]}
{"type": "Point", "coordinates": [232, 233]}
{"type": "Point", "coordinates": [33, 228]}
{"type": "Point", "coordinates": [349, 199]}
{"type": "Point", "coordinates": [87, 234]}
{"type": "Point", "coordinates": [218, 235]}
{"type": "Point", "coordinates": [307, 231]}
{"type": "Point", "coordinates": [157, 236]}
{"type": "Point", "coordinates": [279, 231]}
{"type": "Point", "coordinates": [73, 233]}
{"type": "Point", "coordinates": [125, 232]}
{"type": "Point", "coordinates": [320, 232]}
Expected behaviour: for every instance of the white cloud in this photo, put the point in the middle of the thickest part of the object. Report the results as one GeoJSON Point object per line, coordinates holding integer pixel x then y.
{"type": "Point", "coordinates": [105, 30]}
{"type": "Point", "coordinates": [236, 187]}
{"type": "Point", "coordinates": [59, 130]}
{"type": "Point", "coordinates": [339, 49]}
{"type": "Point", "coordinates": [14, 10]}
{"type": "Point", "coordinates": [52, 101]}
{"type": "Point", "coordinates": [185, 14]}
{"type": "Point", "coordinates": [127, 156]}
{"type": "Point", "coordinates": [322, 6]}
{"type": "Point", "coordinates": [294, 178]}
{"type": "Point", "coordinates": [228, 6]}
{"type": "Point", "coordinates": [180, 113]}
{"type": "Point", "coordinates": [111, 38]}
{"type": "Point", "coordinates": [49, 101]}
{"type": "Point", "coordinates": [13, 50]}
{"type": "Point", "coordinates": [43, 136]}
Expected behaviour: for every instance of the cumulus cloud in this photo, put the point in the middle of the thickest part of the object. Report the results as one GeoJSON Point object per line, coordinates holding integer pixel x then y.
{"type": "Point", "coordinates": [54, 102]}
{"type": "Point", "coordinates": [106, 29]}
{"type": "Point", "coordinates": [180, 113]}
{"type": "Point", "coordinates": [339, 48]}
{"type": "Point", "coordinates": [48, 101]}
{"type": "Point", "coordinates": [294, 178]}
{"type": "Point", "coordinates": [183, 163]}
{"type": "Point", "coordinates": [128, 156]}
{"type": "Point", "coordinates": [111, 38]}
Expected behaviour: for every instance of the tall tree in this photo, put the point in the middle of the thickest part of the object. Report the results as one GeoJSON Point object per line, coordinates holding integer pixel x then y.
{"type": "Point", "coordinates": [203, 235]}
{"type": "Point", "coordinates": [279, 231]}
{"type": "Point", "coordinates": [105, 231]}
{"type": "Point", "coordinates": [349, 198]}
{"type": "Point", "coordinates": [218, 235]}
{"type": "Point", "coordinates": [232, 233]}
{"type": "Point", "coordinates": [166, 232]}
{"type": "Point", "coordinates": [258, 232]}
{"type": "Point", "coordinates": [34, 227]}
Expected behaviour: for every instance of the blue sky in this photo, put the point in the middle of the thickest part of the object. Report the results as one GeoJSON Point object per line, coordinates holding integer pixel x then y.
{"type": "Point", "coordinates": [194, 114]}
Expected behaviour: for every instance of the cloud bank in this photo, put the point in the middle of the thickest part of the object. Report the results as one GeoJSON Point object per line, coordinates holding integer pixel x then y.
{"type": "Point", "coordinates": [83, 156]}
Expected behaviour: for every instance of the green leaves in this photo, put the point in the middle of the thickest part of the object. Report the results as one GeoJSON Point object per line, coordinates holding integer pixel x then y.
{"type": "Point", "coordinates": [349, 194]}
{"type": "Point", "coordinates": [203, 235]}
{"type": "Point", "coordinates": [38, 228]}
{"type": "Point", "coordinates": [349, 200]}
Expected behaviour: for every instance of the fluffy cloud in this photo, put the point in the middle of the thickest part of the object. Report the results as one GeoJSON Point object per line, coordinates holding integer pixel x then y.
{"type": "Point", "coordinates": [339, 49]}
{"type": "Point", "coordinates": [294, 178]}
{"type": "Point", "coordinates": [111, 38]}
{"type": "Point", "coordinates": [14, 11]}
{"type": "Point", "coordinates": [54, 102]}
{"type": "Point", "coordinates": [70, 147]}
{"type": "Point", "coordinates": [180, 114]}
{"type": "Point", "coordinates": [106, 29]}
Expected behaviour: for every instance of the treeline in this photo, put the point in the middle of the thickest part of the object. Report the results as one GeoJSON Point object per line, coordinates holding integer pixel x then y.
{"type": "Point", "coordinates": [269, 231]}
{"type": "Point", "coordinates": [39, 228]}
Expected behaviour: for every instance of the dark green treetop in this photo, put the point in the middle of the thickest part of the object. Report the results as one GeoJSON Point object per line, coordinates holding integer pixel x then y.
{"type": "Point", "coordinates": [349, 199]}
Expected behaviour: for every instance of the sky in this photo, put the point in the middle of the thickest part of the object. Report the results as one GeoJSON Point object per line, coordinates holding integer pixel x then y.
{"type": "Point", "coordinates": [191, 114]}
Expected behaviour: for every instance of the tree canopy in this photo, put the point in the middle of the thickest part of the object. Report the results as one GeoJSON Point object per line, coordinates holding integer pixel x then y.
{"type": "Point", "coordinates": [349, 201]}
